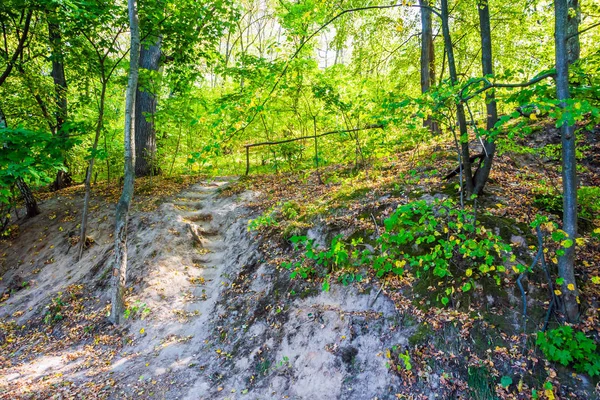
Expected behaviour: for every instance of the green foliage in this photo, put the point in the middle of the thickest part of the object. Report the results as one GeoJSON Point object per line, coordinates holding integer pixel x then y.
{"type": "Point", "coordinates": [435, 240]}
{"type": "Point", "coordinates": [290, 210]}
{"type": "Point", "coordinates": [33, 156]}
{"type": "Point", "coordinates": [263, 221]}
{"type": "Point", "coordinates": [506, 381]}
{"type": "Point", "coordinates": [548, 199]}
{"type": "Point", "coordinates": [137, 310]}
{"type": "Point", "coordinates": [442, 241]}
{"type": "Point", "coordinates": [570, 347]}
{"type": "Point", "coordinates": [54, 310]}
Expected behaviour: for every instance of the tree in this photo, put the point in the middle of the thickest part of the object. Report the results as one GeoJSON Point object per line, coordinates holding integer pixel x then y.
{"type": "Point", "coordinates": [63, 177]}
{"type": "Point", "coordinates": [466, 174]}
{"type": "Point", "coordinates": [483, 173]}
{"type": "Point", "coordinates": [119, 275]}
{"type": "Point", "coordinates": [145, 108]}
{"type": "Point", "coordinates": [569, 164]}
{"type": "Point", "coordinates": [427, 58]}
{"type": "Point", "coordinates": [102, 48]}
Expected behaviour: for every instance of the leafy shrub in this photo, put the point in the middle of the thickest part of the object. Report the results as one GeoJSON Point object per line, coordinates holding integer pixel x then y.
{"type": "Point", "coordinates": [566, 346]}
{"type": "Point", "coordinates": [588, 198]}
{"type": "Point", "coordinates": [263, 221]}
{"type": "Point", "coordinates": [436, 240]}
{"type": "Point", "coordinates": [430, 238]}
{"type": "Point", "coordinates": [138, 309]}
{"type": "Point", "coordinates": [54, 310]}
{"type": "Point", "coordinates": [290, 210]}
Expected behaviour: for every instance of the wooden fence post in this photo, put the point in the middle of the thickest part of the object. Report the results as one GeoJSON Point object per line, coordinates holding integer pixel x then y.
{"type": "Point", "coordinates": [247, 160]}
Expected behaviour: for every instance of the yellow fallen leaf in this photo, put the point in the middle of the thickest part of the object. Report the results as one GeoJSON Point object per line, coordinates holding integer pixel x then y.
{"type": "Point", "coordinates": [142, 331]}
{"type": "Point", "coordinates": [571, 287]}
{"type": "Point", "coordinates": [469, 272]}
{"type": "Point", "coordinates": [557, 292]}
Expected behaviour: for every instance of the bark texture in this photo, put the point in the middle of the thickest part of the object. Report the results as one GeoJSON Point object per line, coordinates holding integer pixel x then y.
{"type": "Point", "coordinates": [63, 178]}
{"type": "Point", "coordinates": [573, 20]}
{"type": "Point", "coordinates": [30, 202]}
{"type": "Point", "coordinates": [427, 58]}
{"type": "Point", "coordinates": [145, 108]}
{"type": "Point", "coordinates": [467, 175]}
{"type": "Point", "coordinates": [483, 173]}
{"type": "Point", "coordinates": [119, 275]}
{"type": "Point", "coordinates": [569, 170]}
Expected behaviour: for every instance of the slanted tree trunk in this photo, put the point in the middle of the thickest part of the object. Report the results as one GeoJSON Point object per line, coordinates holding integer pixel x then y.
{"type": "Point", "coordinates": [427, 58]}
{"type": "Point", "coordinates": [573, 19]}
{"type": "Point", "coordinates": [63, 178]}
{"type": "Point", "coordinates": [569, 164]}
{"type": "Point", "coordinates": [145, 108]}
{"type": "Point", "coordinates": [460, 110]}
{"type": "Point", "coordinates": [483, 173]}
{"type": "Point", "coordinates": [30, 202]}
{"type": "Point", "coordinates": [119, 275]}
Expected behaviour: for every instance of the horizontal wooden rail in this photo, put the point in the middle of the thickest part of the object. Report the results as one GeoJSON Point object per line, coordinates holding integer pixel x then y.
{"type": "Point", "coordinates": [248, 146]}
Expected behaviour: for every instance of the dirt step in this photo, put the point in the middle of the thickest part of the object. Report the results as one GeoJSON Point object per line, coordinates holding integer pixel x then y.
{"type": "Point", "coordinates": [197, 216]}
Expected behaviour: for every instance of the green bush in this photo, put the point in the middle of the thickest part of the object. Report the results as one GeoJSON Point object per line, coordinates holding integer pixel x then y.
{"type": "Point", "coordinates": [568, 347]}
{"type": "Point", "coordinates": [436, 240]}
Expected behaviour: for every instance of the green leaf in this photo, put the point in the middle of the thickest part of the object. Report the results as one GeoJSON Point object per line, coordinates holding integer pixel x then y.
{"type": "Point", "coordinates": [506, 381]}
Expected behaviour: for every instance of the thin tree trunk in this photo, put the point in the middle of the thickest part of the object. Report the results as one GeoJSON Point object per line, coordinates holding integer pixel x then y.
{"type": "Point", "coordinates": [90, 169]}
{"type": "Point", "coordinates": [145, 108]}
{"type": "Point", "coordinates": [427, 59]}
{"type": "Point", "coordinates": [63, 178]}
{"type": "Point", "coordinates": [569, 164]}
{"type": "Point", "coordinates": [460, 110]}
{"type": "Point", "coordinates": [119, 275]}
{"type": "Point", "coordinates": [483, 173]}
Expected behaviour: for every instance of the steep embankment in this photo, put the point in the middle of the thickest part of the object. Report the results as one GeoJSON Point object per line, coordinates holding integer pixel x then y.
{"type": "Point", "coordinates": [209, 315]}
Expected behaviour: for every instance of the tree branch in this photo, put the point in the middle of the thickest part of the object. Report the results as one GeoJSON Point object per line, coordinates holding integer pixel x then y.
{"type": "Point", "coordinates": [18, 50]}
{"type": "Point", "coordinates": [489, 85]}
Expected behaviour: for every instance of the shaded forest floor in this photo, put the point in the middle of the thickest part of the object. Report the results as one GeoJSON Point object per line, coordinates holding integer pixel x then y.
{"type": "Point", "coordinates": [213, 315]}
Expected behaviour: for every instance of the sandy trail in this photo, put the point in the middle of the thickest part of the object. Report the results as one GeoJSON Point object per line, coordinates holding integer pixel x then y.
{"type": "Point", "coordinates": [223, 323]}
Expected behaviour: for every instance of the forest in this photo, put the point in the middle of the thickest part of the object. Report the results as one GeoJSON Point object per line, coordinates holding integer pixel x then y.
{"type": "Point", "coordinates": [299, 199]}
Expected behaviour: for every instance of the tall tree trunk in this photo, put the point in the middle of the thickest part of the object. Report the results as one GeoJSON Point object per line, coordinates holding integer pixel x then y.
{"type": "Point", "coordinates": [119, 275]}
{"type": "Point", "coordinates": [573, 19]}
{"type": "Point", "coordinates": [30, 202]}
{"type": "Point", "coordinates": [427, 58]}
{"type": "Point", "coordinates": [145, 108]}
{"type": "Point", "coordinates": [483, 173]}
{"type": "Point", "coordinates": [63, 178]}
{"type": "Point", "coordinates": [569, 164]}
{"type": "Point", "coordinates": [460, 110]}
{"type": "Point", "coordinates": [90, 169]}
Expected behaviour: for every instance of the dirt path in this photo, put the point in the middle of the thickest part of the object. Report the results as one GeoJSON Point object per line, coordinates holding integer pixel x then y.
{"type": "Point", "coordinates": [220, 321]}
